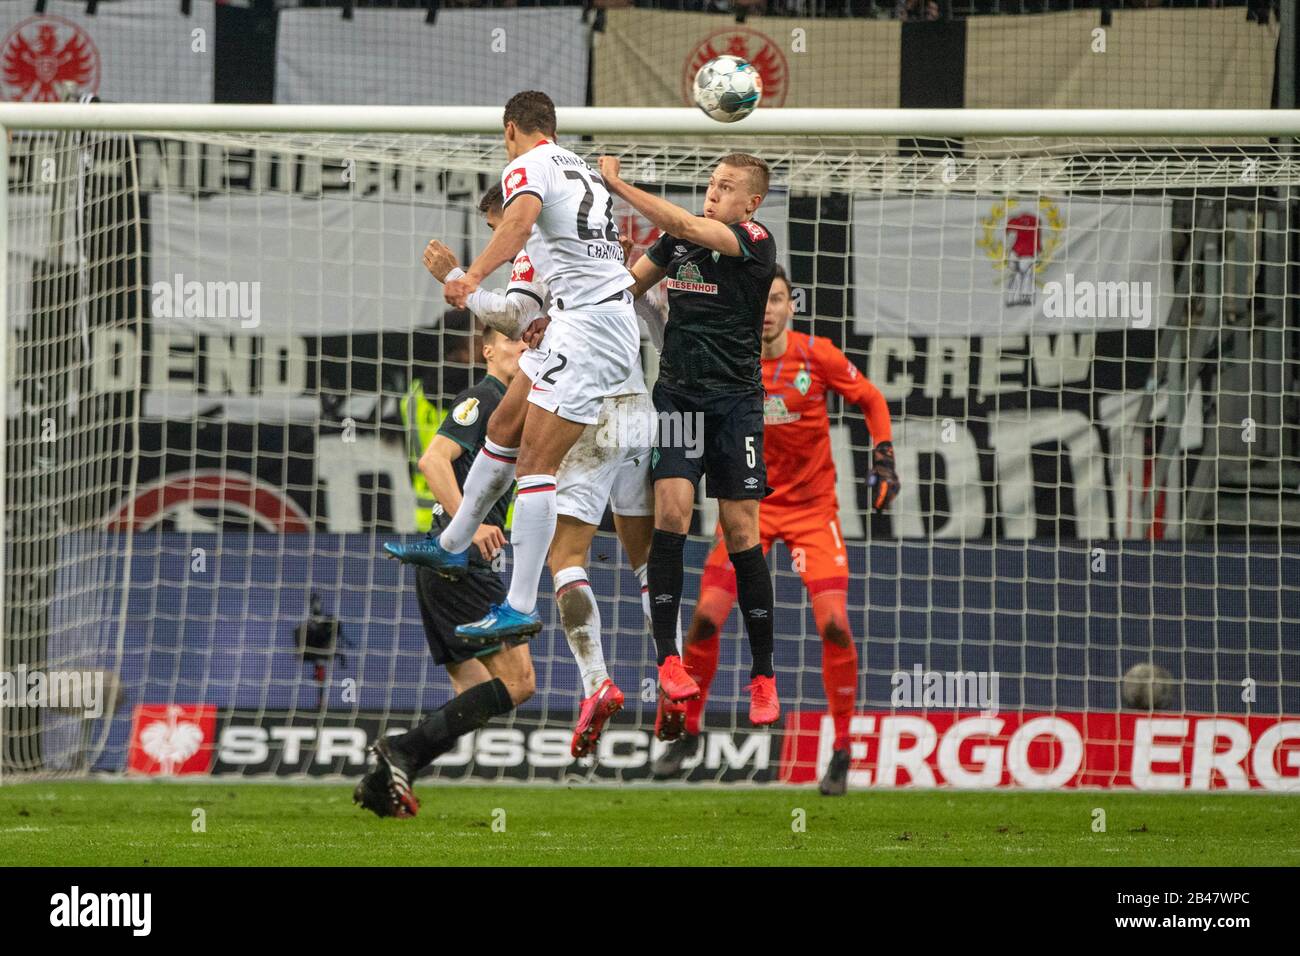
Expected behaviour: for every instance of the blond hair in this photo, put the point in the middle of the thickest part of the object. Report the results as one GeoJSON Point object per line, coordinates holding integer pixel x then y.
{"type": "Point", "coordinates": [758, 172]}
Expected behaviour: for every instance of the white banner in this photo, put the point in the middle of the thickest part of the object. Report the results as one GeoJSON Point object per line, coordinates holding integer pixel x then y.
{"type": "Point", "coordinates": [963, 266]}
{"type": "Point", "coordinates": [466, 58]}
{"type": "Point", "coordinates": [143, 51]}
{"type": "Point", "coordinates": [310, 267]}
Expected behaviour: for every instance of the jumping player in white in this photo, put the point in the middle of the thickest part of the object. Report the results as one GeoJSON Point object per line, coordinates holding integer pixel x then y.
{"type": "Point", "coordinates": [593, 340]}
{"type": "Point", "coordinates": [609, 463]}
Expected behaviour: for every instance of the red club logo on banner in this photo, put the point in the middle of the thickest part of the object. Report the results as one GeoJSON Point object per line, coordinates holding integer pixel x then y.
{"type": "Point", "coordinates": [41, 54]}
{"type": "Point", "coordinates": [750, 45]}
{"type": "Point", "coordinates": [211, 496]}
{"type": "Point", "coordinates": [172, 739]}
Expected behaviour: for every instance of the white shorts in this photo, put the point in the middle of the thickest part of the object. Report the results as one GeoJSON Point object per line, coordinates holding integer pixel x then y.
{"type": "Point", "coordinates": [610, 463]}
{"type": "Point", "coordinates": [591, 354]}
{"type": "Point", "coordinates": [532, 360]}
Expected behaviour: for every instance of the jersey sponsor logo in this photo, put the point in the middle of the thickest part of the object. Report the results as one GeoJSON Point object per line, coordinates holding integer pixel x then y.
{"type": "Point", "coordinates": [466, 413]}
{"type": "Point", "coordinates": [803, 381]}
{"type": "Point", "coordinates": [775, 412]}
{"type": "Point", "coordinates": [523, 270]}
{"type": "Point", "coordinates": [756, 232]}
{"type": "Point", "coordinates": [688, 279]}
{"type": "Point", "coordinates": [514, 179]}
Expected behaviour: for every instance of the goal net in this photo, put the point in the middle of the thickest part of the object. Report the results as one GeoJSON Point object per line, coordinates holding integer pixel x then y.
{"type": "Point", "coordinates": [224, 357]}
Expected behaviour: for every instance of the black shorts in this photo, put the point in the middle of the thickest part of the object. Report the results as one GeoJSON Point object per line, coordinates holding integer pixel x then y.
{"type": "Point", "coordinates": [446, 604]}
{"type": "Point", "coordinates": [718, 437]}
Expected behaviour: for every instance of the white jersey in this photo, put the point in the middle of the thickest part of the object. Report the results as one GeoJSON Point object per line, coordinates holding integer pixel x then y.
{"type": "Point", "coordinates": [525, 280]}
{"type": "Point", "coordinates": [527, 297]}
{"type": "Point", "coordinates": [574, 247]}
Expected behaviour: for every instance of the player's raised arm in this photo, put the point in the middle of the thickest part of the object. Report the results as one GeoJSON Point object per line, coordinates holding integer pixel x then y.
{"type": "Point", "coordinates": [509, 314]}
{"type": "Point", "coordinates": [845, 378]}
{"type": "Point", "coordinates": [676, 221]}
{"type": "Point", "coordinates": [508, 238]}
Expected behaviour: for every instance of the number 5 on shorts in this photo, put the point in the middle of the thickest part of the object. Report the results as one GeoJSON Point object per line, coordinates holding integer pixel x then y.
{"type": "Point", "coordinates": [750, 459]}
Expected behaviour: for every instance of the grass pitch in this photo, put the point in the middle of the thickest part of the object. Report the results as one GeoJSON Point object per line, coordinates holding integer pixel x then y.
{"type": "Point", "coordinates": [152, 824]}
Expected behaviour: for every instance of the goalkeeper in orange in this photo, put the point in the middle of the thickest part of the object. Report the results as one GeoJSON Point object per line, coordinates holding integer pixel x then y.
{"type": "Point", "coordinates": [799, 371]}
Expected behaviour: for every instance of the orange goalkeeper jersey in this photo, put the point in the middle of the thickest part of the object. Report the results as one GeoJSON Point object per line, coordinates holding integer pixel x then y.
{"type": "Point", "coordinates": [797, 438]}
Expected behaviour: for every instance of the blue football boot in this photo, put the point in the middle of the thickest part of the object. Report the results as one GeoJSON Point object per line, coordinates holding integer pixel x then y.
{"type": "Point", "coordinates": [428, 553]}
{"type": "Point", "coordinates": [501, 623]}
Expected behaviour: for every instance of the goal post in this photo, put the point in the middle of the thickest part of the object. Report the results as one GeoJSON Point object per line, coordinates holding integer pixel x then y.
{"type": "Point", "coordinates": [657, 121]}
{"type": "Point", "coordinates": [223, 352]}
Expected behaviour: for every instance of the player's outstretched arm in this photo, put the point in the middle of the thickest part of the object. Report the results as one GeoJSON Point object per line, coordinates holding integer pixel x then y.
{"type": "Point", "coordinates": [509, 314]}
{"type": "Point", "coordinates": [669, 217]}
{"type": "Point", "coordinates": [844, 377]}
{"type": "Point", "coordinates": [507, 239]}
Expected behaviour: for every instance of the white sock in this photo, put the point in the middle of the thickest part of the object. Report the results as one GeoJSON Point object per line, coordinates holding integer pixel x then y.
{"type": "Point", "coordinates": [489, 478]}
{"type": "Point", "coordinates": [642, 574]}
{"type": "Point", "coordinates": [531, 534]}
{"type": "Point", "coordinates": [580, 616]}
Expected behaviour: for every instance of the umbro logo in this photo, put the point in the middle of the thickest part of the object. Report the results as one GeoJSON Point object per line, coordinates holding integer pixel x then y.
{"type": "Point", "coordinates": [756, 613]}
{"type": "Point", "coordinates": [679, 250]}
{"type": "Point", "coordinates": [663, 599]}
{"type": "Point", "coordinates": [751, 482]}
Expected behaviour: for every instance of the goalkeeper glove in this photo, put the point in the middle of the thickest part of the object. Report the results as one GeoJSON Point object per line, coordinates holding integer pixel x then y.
{"type": "Point", "coordinates": [883, 480]}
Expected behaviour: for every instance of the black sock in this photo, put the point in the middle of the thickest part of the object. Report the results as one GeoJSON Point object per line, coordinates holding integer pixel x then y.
{"type": "Point", "coordinates": [664, 578]}
{"type": "Point", "coordinates": [438, 732]}
{"type": "Point", "coordinates": [754, 594]}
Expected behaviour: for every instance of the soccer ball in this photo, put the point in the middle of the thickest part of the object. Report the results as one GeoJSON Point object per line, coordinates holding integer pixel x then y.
{"type": "Point", "coordinates": [1147, 687]}
{"type": "Point", "coordinates": [727, 88]}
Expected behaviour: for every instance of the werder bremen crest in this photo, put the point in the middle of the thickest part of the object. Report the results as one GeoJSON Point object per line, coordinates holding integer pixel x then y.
{"type": "Point", "coordinates": [803, 381]}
